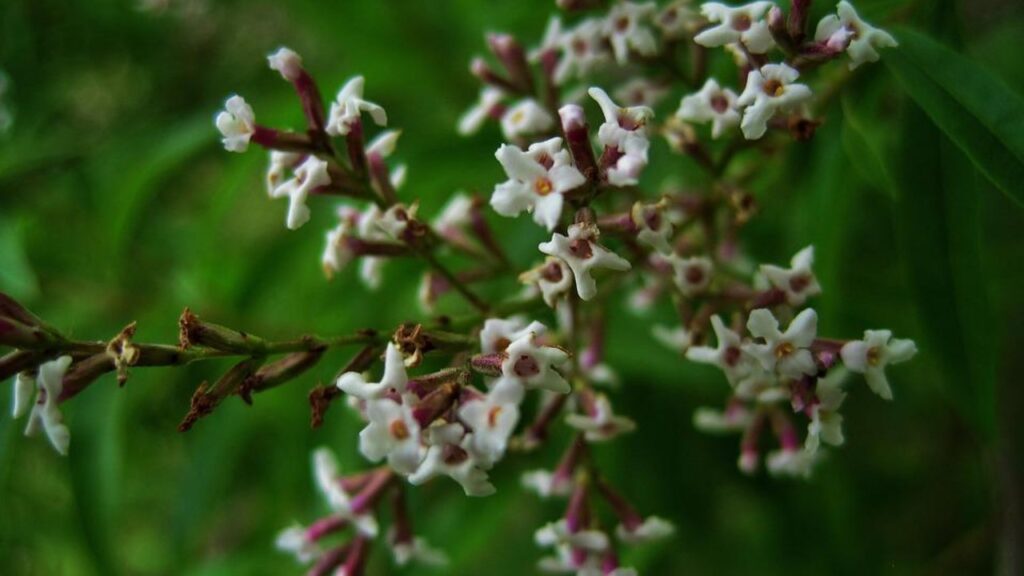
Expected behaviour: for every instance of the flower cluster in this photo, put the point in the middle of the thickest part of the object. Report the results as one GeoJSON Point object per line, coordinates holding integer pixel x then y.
{"type": "Point", "coordinates": [603, 234]}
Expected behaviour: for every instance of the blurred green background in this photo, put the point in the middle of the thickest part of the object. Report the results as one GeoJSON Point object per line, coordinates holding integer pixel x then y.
{"type": "Point", "coordinates": [117, 204]}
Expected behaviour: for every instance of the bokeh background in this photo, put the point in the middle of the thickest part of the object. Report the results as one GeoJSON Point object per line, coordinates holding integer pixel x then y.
{"type": "Point", "coordinates": [117, 203]}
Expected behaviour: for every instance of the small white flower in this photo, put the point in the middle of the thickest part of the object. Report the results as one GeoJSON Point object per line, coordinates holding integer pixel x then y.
{"type": "Point", "coordinates": [417, 550]}
{"type": "Point", "coordinates": [280, 163]}
{"type": "Point", "coordinates": [384, 144]}
{"type": "Point", "coordinates": [729, 355]}
{"type": "Point", "coordinates": [791, 462]}
{"type": "Point", "coordinates": [583, 254]}
{"type": "Point", "coordinates": [534, 366]}
{"type": "Point", "coordinates": [862, 40]}
{"type": "Point", "coordinates": [676, 20]}
{"type": "Point", "coordinates": [733, 419]}
{"type": "Point", "coordinates": [557, 533]}
{"type": "Point", "coordinates": [497, 333]}
{"type": "Point", "coordinates": [798, 282]}
{"type": "Point", "coordinates": [826, 423]}
{"type": "Point", "coordinates": [348, 107]}
{"type": "Point", "coordinates": [525, 118]}
{"type": "Point", "coordinates": [641, 92]}
{"type": "Point", "coordinates": [236, 123]}
{"type": "Point", "coordinates": [654, 229]}
{"type": "Point", "coordinates": [393, 433]}
{"type": "Point", "coordinates": [625, 29]}
{"type": "Point", "coordinates": [310, 175]}
{"type": "Point", "coordinates": [337, 253]}
{"type": "Point", "coordinates": [677, 339]}
{"type": "Point", "coordinates": [328, 479]}
{"type": "Point", "coordinates": [625, 131]}
{"type": "Point", "coordinates": [691, 275]}
{"type": "Point", "coordinates": [455, 215]}
{"type": "Point", "coordinates": [287, 62]}
{"type": "Point", "coordinates": [545, 484]}
{"type": "Point", "coordinates": [45, 413]}
{"type": "Point", "coordinates": [448, 456]}
{"type": "Point", "coordinates": [488, 106]}
{"type": "Point", "coordinates": [744, 24]}
{"type": "Point", "coordinates": [394, 221]}
{"type": "Point", "coordinates": [601, 424]}
{"type": "Point", "coordinates": [769, 89]}
{"type": "Point", "coordinates": [492, 419]}
{"type": "Point", "coordinates": [553, 278]}
{"type": "Point", "coordinates": [871, 355]}
{"type": "Point", "coordinates": [293, 540]}
{"type": "Point", "coordinates": [393, 380]}
{"type": "Point", "coordinates": [583, 50]}
{"type": "Point", "coordinates": [538, 178]}
{"type": "Point", "coordinates": [784, 352]}
{"type": "Point", "coordinates": [711, 103]}
{"type": "Point", "coordinates": [653, 528]}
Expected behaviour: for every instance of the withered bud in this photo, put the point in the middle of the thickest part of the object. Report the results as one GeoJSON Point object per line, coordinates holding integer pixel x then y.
{"type": "Point", "coordinates": [802, 129]}
{"type": "Point", "coordinates": [488, 364]}
{"type": "Point", "coordinates": [85, 372]}
{"type": "Point", "coordinates": [320, 399]}
{"type": "Point", "coordinates": [208, 397]}
{"type": "Point", "coordinates": [279, 372]}
{"type": "Point", "coordinates": [195, 332]}
{"type": "Point", "coordinates": [124, 352]}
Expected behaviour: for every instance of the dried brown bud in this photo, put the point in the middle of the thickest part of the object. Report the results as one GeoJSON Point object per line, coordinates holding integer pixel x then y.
{"type": "Point", "coordinates": [207, 397]}
{"type": "Point", "coordinates": [195, 332]}
{"type": "Point", "coordinates": [280, 372]}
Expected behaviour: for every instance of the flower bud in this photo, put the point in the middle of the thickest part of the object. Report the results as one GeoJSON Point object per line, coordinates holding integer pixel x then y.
{"type": "Point", "coordinates": [195, 332]}
{"type": "Point", "coordinates": [280, 372]}
{"type": "Point", "coordinates": [207, 397]}
{"type": "Point", "coordinates": [577, 138]}
{"type": "Point", "coordinates": [512, 56]}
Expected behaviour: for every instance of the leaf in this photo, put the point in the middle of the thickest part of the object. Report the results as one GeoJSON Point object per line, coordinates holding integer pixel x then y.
{"type": "Point", "coordinates": [973, 108]}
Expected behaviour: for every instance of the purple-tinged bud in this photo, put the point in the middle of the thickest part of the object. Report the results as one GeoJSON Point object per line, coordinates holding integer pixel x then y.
{"type": "Point", "coordinates": [799, 10]}
{"type": "Point", "coordinates": [280, 372]}
{"type": "Point", "coordinates": [372, 491]}
{"type": "Point", "coordinates": [325, 526]}
{"type": "Point", "coordinates": [329, 561]}
{"type": "Point", "coordinates": [577, 138]}
{"type": "Point", "coordinates": [355, 562]}
{"type": "Point", "coordinates": [488, 364]}
{"type": "Point", "coordinates": [780, 33]}
{"type": "Point", "coordinates": [627, 514]}
{"type": "Point", "coordinates": [513, 57]}
{"type": "Point", "coordinates": [479, 68]}
{"type": "Point", "coordinates": [434, 404]}
{"type": "Point", "coordinates": [272, 139]}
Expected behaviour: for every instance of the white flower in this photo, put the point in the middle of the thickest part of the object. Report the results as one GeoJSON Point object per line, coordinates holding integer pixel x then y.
{"type": "Point", "coordinates": [538, 178]}
{"type": "Point", "coordinates": [826, 422]}
{"type": "Point", "coordinates": [729, 355]}
{"type": "Point", "coordinates": [625, 29]}
{"type": "Point", "coordinates": [791, 462]}
{"type": "Point", "coordinates": [393, 380]}
{"type": "Point", "coordinates": [45, 414]}
{"type": "Point", "coordinates": [525, 118]}
{"type": "Point", "coordinates": [583, 50]}
{"type": "Point", "coordinates": [534, 366]}
{"type": "Point", "coordinates": [497, 334]}
{"type": "Point", "coordinates": [784, 352]}
{"type": "Point", "coordinates": [328, 479]}
{"type": "Point", "coordinates": [546, 484]}
{"type": "Point", "coordinates": [287, 62]}
{"type": "Point", "coordinates": [486, 107]}
{"type": "Point", "coordinates": [625, 131]}
{"type": "Point", "coordinates": [384, 144]}
{"type": "Point", "coordinates": [652, 528]}
{"type": "Point", "coordinates": [676, 20]}
{"type": "Point", "coordinates": [455, 215]}
{"type": "Point", "coordinates": [417, 550]}
{"type": "Point", "coordinates": [583, 254]}
{"type": "Point", "coordinates": [393, 222]}
{"type": "Point", "coordinates": [641, 92]}
{"type": "Point", "coordinates": [871, 355]}
{"type": "Point", "coordinates": [349, 105]}
{"type": "Point", "coordinates": [280, 163]}
{"type": "Point", "coordinates": [798, 282]}
{"type": "Point", "coordinates": [691, 275]}
{"type": "Point", "coordinates": [565, 562]}
{"type": "Point", "coordinates": [557, 534]}
{"type": "Point", "coordinates": [711, 103]}
{"type": "Point", "coordinates": [310, 175]}
{"type": "Point", "coordinates": [394, 433]}
{"type": "Point", "coordinates": [492, 419]}
{"type": "Point", "coordinates": [677, 339]}
{"type": "Point", "coordinates": [553, 278]}
{"type": "Point", "coordinates": [448, 456]}
{"type": "Point", "coordinates": [862, 40]}
{"type": "Point", "coordinates": [733, 419]}
{"type": "Point", "coordinates": [601, 423]}
{"type": "Point", "coordinates": [654, 229]}
{"type": "Point", "coordinates": [769, 89]}
{"type": "Point", "coordinates": [744, 24]}
{"type": "Point", "coordinates": [294, 541]}
{"type": "Point", "coordinates": [337, 252]}
{"type": "Point", "coordinates": [236, 123]}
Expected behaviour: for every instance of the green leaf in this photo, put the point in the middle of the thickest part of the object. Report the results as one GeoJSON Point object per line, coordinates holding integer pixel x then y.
{"type": "Point", "coordinates": [973, 108]}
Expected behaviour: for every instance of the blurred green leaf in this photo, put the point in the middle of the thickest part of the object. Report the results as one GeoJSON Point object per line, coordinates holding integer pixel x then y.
{"type": "Point", "coordinates": [978, 112]}
{"type": "Point", "coordinates": [16, 275]}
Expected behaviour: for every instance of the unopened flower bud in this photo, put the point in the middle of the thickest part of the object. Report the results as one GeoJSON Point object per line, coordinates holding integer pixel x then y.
{"type": "Point", "coordinates": [276, 373]}
{"type": "Point", "coordinates": [512, 56]}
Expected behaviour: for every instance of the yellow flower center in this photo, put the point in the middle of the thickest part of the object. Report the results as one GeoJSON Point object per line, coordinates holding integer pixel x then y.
{"type": "Point", "coordinates": [543, 186]}
{"type": "Point", "coordinates": [874, 355]}
{"type": "Point", "coordinates": [399, 430]}
{"type": "Point", "coordinates": [784, 349]}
